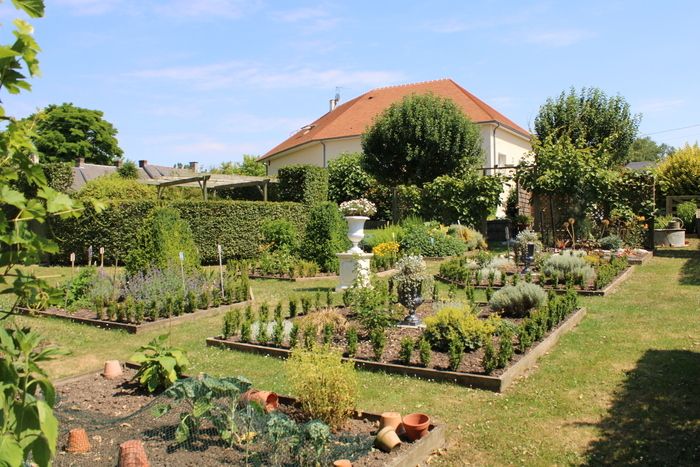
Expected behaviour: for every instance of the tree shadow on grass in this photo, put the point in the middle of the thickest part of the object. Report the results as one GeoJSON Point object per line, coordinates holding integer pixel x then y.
{"type": "Point", "coordinates": [655, 417]}
{"type": "Point", "coordinates": [690, 271]}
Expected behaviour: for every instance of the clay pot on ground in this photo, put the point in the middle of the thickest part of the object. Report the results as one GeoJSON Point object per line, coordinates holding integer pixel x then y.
{"type": "Point", "coordinates": [78, 441]}
{"type": "Point", "coordinates": [113, 369]}
{"type": "Point", "coordinates": [416, 425]}
{"type": "Point", "coordinates": [392, 419]}
{"type": "Point", "coordinates": [387, 439]}
{"type": "Point", "coordinates": [342, 463]}
{"type": "Point", "coordinates": [268, 400]}
{"type": "Point", "coordinates": [132, 454]}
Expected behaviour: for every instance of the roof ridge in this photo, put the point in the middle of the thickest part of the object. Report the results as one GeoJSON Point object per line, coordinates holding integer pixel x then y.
{"type": "Point", "coordinates": [408, 84]}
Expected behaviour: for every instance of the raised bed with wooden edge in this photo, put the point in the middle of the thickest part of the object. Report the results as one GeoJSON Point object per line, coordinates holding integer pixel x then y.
{"type": "Point", "coordinates": [607, 290]}
{"type": "Point", "coordinates": [491, 383]}
{"type": "Point", "coordinates": [133, 328]}
{"type": "Point", "coordinates": [387, 273]}
{"type": "Point", "coordinates": [416, 454]}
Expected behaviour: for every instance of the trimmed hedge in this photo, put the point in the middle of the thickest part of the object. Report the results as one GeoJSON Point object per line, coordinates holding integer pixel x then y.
{"type": "Point", "coordinates": [236, 225]}
{"type": "Point", "coordinates": [301, 183]}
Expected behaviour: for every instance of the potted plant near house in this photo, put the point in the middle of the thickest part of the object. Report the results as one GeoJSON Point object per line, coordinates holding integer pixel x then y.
{"type": "Point", "coordinates": [356, 212]}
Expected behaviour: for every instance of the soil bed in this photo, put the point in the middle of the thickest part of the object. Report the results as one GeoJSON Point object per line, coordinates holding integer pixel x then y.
{"type": "Point", "coordinates": [88, 317]}
{"type": "Point", "coordinates": [114, 411]}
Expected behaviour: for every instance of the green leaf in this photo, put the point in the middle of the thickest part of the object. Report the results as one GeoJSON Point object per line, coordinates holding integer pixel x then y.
{"type": "Point", "coordinates": [7, 52]}
{"type": "Point", "coordinates": [34, 8]}
{"type": "Point", "coordinates": [11, 454]}
{"type": "Point", "coordinates": [48, 423]}
{"type": "Point", "coordinates": [182, 433]}
{"type": "Point", "coordinates": [12, 197]}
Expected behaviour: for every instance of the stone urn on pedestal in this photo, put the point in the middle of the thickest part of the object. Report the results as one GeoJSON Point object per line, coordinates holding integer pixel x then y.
{"type": "Point", "coordinates": [355, 263]}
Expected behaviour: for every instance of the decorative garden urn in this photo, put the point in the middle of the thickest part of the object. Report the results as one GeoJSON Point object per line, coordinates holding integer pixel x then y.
{"type": "Point", "coordinates": [356, 231]}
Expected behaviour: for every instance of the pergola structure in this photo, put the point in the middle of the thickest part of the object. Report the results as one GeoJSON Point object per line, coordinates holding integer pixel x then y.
{"type": "Point", "coordinates": [207, 182]}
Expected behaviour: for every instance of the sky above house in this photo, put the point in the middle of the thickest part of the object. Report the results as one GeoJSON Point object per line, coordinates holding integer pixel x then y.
{"type": "Point", "coordinates": [211, 80]}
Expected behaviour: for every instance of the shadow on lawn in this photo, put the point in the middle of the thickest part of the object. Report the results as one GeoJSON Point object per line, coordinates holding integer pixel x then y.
{"type": "Point", "coordinates": [690, 271]}
{"type": "Point", "coordinates": [655, 416]}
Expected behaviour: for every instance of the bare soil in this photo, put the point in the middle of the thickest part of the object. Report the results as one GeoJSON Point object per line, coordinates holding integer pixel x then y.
{"type": "Point", "coordinates": [114, 411]}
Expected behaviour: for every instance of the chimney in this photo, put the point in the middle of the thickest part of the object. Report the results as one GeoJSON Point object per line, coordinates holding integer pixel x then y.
{"type": "Point", "coordinates": [332, 104]}
{"type": "Point", "coordinates": [119, 163]}
{"type": "Point", "coordinates": [194, 166]}
{"type": "Point", "coordinates": [143, 163]}
{"type": "Point", "coordinates": [80, 161]}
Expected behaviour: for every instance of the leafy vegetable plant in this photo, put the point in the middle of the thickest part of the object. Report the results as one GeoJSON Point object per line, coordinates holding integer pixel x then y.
{"type": "Point", "coordinates": [161, 364]}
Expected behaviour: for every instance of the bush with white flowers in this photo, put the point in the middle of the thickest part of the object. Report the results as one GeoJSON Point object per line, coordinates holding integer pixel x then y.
{"type": "Point", "coordinates": [358, 207]}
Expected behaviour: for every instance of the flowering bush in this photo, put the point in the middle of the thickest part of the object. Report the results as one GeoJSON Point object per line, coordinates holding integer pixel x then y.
{"type": "Point", "coordinates": [358, 207]}
{"type": "Point", "coordinates": [386, 249]}
{"type": "Point", "coordinates": [412, 279]}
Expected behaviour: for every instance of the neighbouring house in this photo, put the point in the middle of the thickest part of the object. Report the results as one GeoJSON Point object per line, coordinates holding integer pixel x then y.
{"type": "Point", "coordinates": [84, 172]}
{"type": "Point", "coordinates": [340, 130]}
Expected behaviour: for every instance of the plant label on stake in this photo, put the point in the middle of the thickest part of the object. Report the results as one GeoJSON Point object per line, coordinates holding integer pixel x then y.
{"type": "Point", "coordinates": [102, 257]}
{"type": "Point", "coordinates": [221, 268]}
{"type": "Point", "coordinates": [90, 255]}
{"type": "Point", "coordinates": [72, 260]}
{"type": "Point", "coordinates": [182, 269]}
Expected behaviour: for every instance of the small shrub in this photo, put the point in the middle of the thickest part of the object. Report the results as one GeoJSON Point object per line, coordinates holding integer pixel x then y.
{"type": "Point", "coordinates": [686, 212]}
{"type": "Point", "coordinates": [309, 336]}
{"type": "Point", "coordinates": [422, 240]}
{"type": "Point", "coordinates": [326, 386]}
{"type": "Point", "coordinates": [264, 312]}
{"type": "Point", "coordinates": [378, 340]}
{"type": "Point", "coordinates": [280, 234]}
{"type": "Point", "coordinates": [490, 359]}
{"type": "Point", "coordinates": [293, 304]}
{"type": "Point", "coordinates": [245, 332]}
{"type": "Point", "coordinates": [518, 300]}
{"type": "Point", "coordinates": [305, 305]}
{"type": "Point", "coordinates": [161, 364]}
{"type": "Point", "coordinates": [460, 321]}
{"type": "Point", "coordinates": [424, 351]}
{"type": "Point", "coordinates": [328, 331]}
{"type": "Point", "coordinates": [472, 238]}
{"type": "Point", "coordinates": [611, 242]}
{"type": "Point", "coordinates": [455, 350]}
{"type": "Point", "coordinates": [294, 335]}
{"type": "Point", "coordinates": [352, 338]}
{"type": "Point", "coordinates": [278, 311]}
{"type": "Point", "coordinates": [232, 323]}
{"type": "Point", "coordinates": [570, 266]}
{"type": "Point", "coordinates": [319, 320]}
{"type": "Point", "coordinates": [406, 351]}
{"type": "Point", "coordinates": [505, 349]}
{"type": "Point", "coordinates": [326, 235]}
{"type": "Point", "coordinates": [278, 333]}
{"type": "Point", "coordinates": [263, 336]}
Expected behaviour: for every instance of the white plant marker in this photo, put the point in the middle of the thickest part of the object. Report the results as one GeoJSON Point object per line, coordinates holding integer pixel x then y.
{"type": "Point", "coordinates": [221, 268]}
{"type": "Point", "coordinates": [182, 269]}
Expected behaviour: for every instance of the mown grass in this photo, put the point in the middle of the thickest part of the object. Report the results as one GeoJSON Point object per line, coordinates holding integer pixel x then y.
{"type": "Point", "coordinates": [621, 388]}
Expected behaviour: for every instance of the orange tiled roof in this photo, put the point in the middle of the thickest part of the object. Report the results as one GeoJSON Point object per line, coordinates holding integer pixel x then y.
{"type": "Point", "coordinates": [352, 117]}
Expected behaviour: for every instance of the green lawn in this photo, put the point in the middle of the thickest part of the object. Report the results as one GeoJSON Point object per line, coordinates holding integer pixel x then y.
{"type": "Point", "coordinates": [622, 388]}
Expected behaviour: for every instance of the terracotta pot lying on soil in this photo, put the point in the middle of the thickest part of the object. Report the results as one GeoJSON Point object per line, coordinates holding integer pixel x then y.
{"type": "Point", "coordinates": [113, 369]}
{"type": "Point", "coordinates": [132, 454]}
{"type": "Point", "coordinates": [342, 463]}
{"type": "Point", "coordinates": [416, 425]}
{"type": "Point", "coordinates": [268, 400]}
{"type": "Point", "coordinates": [78, 441]}
{"type": "Point", "coordinates": [387, 439]}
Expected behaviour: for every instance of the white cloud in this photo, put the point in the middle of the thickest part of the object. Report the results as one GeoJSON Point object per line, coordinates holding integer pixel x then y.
{"type": "Point", "coordinates": [557, 37]}
{"type": "Point", "coordinates": [239, 74]}
{"type": "Point", "coordinates": [208, 9]}
{"type": "Point", "coordinates": [659, 105]}
{"type": "Point", "coordinates": [202, 147]}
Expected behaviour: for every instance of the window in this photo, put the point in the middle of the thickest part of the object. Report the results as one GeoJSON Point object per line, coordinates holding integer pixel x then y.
{"type": "Point", "coordinates": [502, 160]}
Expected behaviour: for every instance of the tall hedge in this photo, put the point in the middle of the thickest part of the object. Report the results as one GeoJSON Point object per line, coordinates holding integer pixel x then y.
{"type": "Point", "coordinates": [326, 235]}
{"type": "Point", "coordinates": [236, 225]}
{"type": "Point", "coordinates": [306, 184]}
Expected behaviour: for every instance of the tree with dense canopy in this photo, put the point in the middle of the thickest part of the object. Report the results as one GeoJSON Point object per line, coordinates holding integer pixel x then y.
{"type": "Point", "coordinates": [590, 119]}
{"type": "Point", "coordinates": [249, 166]}
{"type": "Point", "coordinates": [646, 149]}
{"type": "Point", "coordinates": [679, 173]}
{"type": "Point", "coordinates": [346, 178]}
{"type": "Point", "coordinates": [66, 132]}
{"type": "Point", "coordinates": [419, 139]}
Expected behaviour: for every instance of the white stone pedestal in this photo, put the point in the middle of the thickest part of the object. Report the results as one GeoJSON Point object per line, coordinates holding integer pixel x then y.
{"type": "Point", "coordinates": [353, 266]}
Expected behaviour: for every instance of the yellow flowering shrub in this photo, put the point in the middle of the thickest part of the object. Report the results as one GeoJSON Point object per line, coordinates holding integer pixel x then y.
{"type": "Point", "coordinates": [386, 249]}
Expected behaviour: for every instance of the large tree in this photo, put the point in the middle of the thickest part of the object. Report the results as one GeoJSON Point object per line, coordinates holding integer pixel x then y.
{"type": "Point", "coordinates": [419, 139]}
{"type": "Point", "coordinates": [646, 149]}
{"type": "Point", "coordinates": [65, 132]}
{"type": "Point", "coordinates": [591, 120]}
{"type": "Point", "coordinates": [249, 166]}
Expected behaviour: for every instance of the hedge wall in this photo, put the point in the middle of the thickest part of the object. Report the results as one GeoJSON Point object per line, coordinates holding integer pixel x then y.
{"type": "Point", "coordinates": [306, 184]}
{"type": "Point", "coordinates": [234, 224]}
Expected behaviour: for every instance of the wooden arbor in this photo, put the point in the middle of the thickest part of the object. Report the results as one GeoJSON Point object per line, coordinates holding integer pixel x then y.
{"type": "Point", "coordinates": [206, 182]}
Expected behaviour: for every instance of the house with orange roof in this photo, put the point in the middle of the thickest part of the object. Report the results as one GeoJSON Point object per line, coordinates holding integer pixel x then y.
{"type": "Point", "coordinates": [340, 130]}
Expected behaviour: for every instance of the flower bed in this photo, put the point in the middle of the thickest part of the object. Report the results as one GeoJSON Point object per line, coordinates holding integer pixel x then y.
{"type": "Point", "coordinates": [592, 274]}
{"type": "Point", "coordinates": [430, 353]}
{"type": "Point", "coordinates": [113, 411]}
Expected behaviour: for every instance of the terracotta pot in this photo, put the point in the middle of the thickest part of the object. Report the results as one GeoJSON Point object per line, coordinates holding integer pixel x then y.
{"type": "Point", "coordinates": [392, 419]}
{"type": "Point", "coordinates": [387, 439]}
{"type": "Point", "coordinates": [268, 400]}
{"type": "Point", "coordinates": [132, 454]}
{"type": "Point", "coordinates": [78, 441]}
{"type": "Point", "coordinates": [342, 463]}
{"type": "Point", "coordinates": [416, 425]}
{"type": "Point", "coordinates": [113, 369]}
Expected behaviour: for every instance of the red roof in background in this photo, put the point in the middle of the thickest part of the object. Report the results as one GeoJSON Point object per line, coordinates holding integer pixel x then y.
{"type": "Point", "coordinates": [352, 117]}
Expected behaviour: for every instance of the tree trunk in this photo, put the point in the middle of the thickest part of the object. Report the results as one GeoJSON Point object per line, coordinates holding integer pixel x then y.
{"type": "Point", "coordinates": [395, 218]}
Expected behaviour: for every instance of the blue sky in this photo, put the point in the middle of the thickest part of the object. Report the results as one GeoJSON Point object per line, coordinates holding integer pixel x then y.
{"type": "Point", "coordinates": [210, 80]}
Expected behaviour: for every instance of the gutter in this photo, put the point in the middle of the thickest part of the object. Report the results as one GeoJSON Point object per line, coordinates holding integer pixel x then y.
{"type": "Point", "coordinates": [323, 143]}
{"type": "Point", "coordinates": [495, 154]}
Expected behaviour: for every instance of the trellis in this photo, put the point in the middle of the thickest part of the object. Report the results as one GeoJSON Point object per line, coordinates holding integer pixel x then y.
{"type": "Point", "coordinates": [206, 182]}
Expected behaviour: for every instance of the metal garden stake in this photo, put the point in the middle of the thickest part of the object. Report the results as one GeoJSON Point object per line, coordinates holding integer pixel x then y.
{"type": "Point", "coordinates": [221, 269]}
{"type": "Point", "coordinates": [182, 269]}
